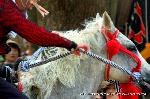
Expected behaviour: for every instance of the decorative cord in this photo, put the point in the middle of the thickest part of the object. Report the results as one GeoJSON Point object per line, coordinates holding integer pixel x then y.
{"type": "Point", "coordinates": [25, 65]}
{"type": "Point", "coordinates": [50, 59]}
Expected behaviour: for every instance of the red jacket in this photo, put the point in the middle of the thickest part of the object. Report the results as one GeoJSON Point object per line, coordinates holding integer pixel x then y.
{"type": "Point", "coordinates": [11, 19]}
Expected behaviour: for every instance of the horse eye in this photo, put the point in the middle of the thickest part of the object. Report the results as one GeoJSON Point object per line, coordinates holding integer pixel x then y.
{"type": "Point", "coordinates": [131, 48]}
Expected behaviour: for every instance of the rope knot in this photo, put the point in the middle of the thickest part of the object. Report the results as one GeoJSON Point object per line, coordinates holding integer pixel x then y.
{"type": "Point", "coordinates": [113, 47]}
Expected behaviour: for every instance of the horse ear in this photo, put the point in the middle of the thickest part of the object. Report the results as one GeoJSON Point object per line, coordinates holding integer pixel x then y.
{"type": "Point", "coordinates": [107, 22]}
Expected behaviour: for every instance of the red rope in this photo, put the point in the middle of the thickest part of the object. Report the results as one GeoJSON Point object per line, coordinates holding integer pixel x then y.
{"type": "Point", "coordinates": [113, 48]}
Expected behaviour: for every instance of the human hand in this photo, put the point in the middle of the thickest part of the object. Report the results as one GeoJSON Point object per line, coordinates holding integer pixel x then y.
{"type": "Point", "coordinates": [82, 46]}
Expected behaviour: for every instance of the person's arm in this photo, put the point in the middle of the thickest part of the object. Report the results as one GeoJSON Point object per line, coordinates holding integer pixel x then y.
{"type": "Point", "coordinates": [13, 20]}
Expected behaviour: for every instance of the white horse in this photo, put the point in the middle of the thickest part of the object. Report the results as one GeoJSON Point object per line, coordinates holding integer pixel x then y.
{"type": "Point", "coordinates": [74, 77]}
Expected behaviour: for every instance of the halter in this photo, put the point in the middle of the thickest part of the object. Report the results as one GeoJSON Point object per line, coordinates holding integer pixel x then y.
{"type": "Point", "coordinates": [114, 47]}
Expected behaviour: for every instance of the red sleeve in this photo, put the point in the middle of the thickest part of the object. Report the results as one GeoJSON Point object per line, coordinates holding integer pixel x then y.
{"type": "Point", "coordinates": [13, 19]}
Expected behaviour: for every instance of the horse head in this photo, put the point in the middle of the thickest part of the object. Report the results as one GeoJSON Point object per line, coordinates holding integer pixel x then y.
{"type": "Point", "coordinates": [122, 58]}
